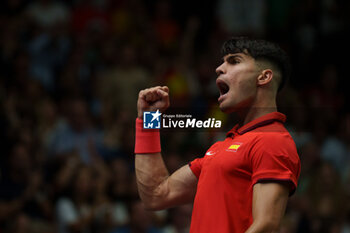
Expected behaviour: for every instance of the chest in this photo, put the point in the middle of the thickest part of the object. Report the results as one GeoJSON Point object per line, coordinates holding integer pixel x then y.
{"type": "Point", "coordinates": [229, 158]}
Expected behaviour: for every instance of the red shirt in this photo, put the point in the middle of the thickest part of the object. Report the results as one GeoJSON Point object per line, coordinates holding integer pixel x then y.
{"type": "Point", "coordinates": [260, 150]}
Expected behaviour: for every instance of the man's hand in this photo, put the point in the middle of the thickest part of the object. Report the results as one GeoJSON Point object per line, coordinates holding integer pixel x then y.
{"type": "Point", "coordinates": [152, 99]}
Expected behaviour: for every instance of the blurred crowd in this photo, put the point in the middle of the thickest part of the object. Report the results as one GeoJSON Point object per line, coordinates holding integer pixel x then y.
{"type": "Point", "coordinates": [69, 80]}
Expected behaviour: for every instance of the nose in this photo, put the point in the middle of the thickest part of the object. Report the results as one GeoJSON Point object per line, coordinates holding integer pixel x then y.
{"type": "Point", "coordinates": [220, 69]}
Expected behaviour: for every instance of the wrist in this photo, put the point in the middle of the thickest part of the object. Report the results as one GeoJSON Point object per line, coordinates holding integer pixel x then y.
{"type": "Point", "coordinates": [147, 141]}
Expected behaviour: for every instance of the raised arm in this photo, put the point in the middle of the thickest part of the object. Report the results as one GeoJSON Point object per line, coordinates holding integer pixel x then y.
{"type": "Point", "coordinates": [157, 189]}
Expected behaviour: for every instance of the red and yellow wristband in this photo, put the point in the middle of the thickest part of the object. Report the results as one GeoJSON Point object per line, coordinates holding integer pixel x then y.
{"type": "Point", "coordinates": [147, 141]}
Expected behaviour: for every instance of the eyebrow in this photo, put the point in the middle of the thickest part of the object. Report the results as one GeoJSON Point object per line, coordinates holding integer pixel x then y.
{"type": "Point", "coordinates": [229, 56]}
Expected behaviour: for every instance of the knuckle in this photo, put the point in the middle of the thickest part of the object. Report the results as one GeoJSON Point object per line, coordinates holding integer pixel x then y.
{"type": "Point", "coordinates": [156, 88]}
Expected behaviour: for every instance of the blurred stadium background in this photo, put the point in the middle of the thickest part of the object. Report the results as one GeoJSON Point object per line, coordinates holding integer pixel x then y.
{"type": "Point", "coordinates": [69, 78]}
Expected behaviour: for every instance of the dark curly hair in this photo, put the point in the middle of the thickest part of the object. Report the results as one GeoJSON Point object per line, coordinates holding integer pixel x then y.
{"type": "Point", "coordinates": [260, 50]}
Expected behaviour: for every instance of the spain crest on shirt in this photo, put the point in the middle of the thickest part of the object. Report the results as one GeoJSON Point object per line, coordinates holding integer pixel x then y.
{"type": "Point", "coordinates": [234, 147]}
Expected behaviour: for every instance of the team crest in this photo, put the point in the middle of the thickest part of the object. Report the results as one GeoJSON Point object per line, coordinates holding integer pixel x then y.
{"type": "Point", "coordinates": [234, 147]}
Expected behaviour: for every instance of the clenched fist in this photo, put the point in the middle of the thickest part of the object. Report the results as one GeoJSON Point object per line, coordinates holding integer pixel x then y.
{"type": "Point", "coordinates": [152, 99]}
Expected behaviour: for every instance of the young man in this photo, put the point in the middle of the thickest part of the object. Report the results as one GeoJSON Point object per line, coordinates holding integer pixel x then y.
{"type": "Point", "coordinates": [242, 184]}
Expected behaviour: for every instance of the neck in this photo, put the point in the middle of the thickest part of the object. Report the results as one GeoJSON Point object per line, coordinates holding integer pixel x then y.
{"type": "Point", "coordinates": [255, 113]}
{"type": "Point", "coordinates": [257, 109]}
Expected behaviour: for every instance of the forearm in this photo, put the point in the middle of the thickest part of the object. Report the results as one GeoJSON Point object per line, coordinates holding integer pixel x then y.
{"type": "Point", "coordinates": [151, 174]}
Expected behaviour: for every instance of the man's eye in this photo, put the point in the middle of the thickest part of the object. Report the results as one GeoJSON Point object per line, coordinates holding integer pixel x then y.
{"type": "Point", "coordinates": [233, 61]}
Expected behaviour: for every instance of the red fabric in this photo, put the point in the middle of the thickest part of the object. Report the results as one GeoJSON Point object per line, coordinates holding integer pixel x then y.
{"type": "Point", "coordinates": [196, 167]}
{"type": "Point", "coordinates": [260, 150]}
{"type": "Point", "coordinates": [147, 141]}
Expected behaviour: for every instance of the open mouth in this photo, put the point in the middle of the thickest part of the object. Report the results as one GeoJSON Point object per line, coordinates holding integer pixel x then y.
{"type": "Point", "coordinates": [223, 87]}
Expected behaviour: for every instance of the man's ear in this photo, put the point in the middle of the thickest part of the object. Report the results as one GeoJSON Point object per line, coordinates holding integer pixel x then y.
{"type": "Point", "coordinates": [265, 77]}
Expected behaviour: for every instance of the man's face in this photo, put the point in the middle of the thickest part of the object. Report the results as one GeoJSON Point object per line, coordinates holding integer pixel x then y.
{"type": "Point", "coordinates": [237, 82]}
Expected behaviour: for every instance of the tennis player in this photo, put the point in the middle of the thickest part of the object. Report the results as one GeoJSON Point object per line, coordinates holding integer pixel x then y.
{"type": "Point", "coordinates": [242, 184]}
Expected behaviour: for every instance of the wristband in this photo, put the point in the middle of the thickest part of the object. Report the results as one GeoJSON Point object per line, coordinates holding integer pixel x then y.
{"type": "Point", "coordinates": [147, 141]}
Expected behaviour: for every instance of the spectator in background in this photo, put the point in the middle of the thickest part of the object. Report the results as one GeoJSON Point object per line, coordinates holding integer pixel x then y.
{"type": "Point", "coordinates": [304, 18]}
{"type": "Point", "coordinates": [74, 212]}
{"type": "Point", "coordinates": [109, 213]}
{"type": "Point", "coordinates": [112, 130]}
{"type": "Point", "coordinates": [48, 13]}
{"type": "Point", "coordinates": [140, 220]}
{"type": "Point", "coordinates": [331, 18]}
{"type": "Point", "coordinates": [47, 116]}
{"type": "Point", "coordinates": [87, 15]}
{"type": "Point", "coordinates": [180, 220]}
{"type": "Point", "coordinates": [278, 16]}
{"type": "Point", "coordinates": [180, 78]}
{"type": "Point", "coordinates": [326, 196]}
{"type": "Point", "coordinates": [325, 94]}
{"type": "Point", "coordinates": [335, 149]}
{"type": "Point", "coordinates": [242, 17]}
{"type": "Point", "coordinates": [177, 69]}
{"type": "Point", "coordinates": [298, 126]}
{"type": "Point", "coordinates": [167, 30]}
{"type": "Point", "coordinates": [75, 133]}
{"type": "Point", "coordinates": [124, 23]}
{"type": "Point", "coordinates": [21, 194]}
{"type": "Point", "coordinates": [60, 172]}
{"type": "Point", "coordinates": [120, 184]}
{"type": "Point", "coordinates": [120, 82]}
{"type": "Point", "coordinates": [310, 161]}
{"type": "Point", "coordinates": [48, 51]}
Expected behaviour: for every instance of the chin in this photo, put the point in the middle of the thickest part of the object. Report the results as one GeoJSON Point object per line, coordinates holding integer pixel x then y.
{"type": "Point", "coordinates": [227, 109]}
{"type": "Point", "coordinates": [234, 107]}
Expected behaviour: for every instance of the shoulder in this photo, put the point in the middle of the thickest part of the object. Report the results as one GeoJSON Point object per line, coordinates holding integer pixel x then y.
{"type": "Point", "coordinates": [274, 157]}
{"type": "Point", "coordinates": [274, 139]}
{"type": "Point", "coordinates": [272, 144]}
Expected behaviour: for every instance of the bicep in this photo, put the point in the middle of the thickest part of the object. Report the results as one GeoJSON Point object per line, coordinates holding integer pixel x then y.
{"type": "Point", "coordinates": [269, 203]}
{"type": "Point", "coordinates": [179, 188]}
